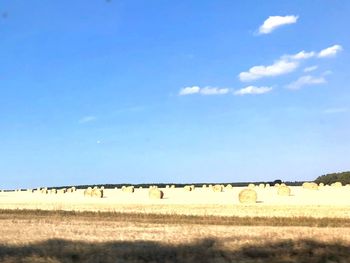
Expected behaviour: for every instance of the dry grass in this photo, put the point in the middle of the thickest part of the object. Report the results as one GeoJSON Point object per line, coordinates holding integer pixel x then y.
{"type": "Point", "coordinates": [42, 236]}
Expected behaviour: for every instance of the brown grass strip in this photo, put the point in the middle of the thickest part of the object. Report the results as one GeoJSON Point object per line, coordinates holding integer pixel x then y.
{"type": "Point", "coordinates": [175, 219]}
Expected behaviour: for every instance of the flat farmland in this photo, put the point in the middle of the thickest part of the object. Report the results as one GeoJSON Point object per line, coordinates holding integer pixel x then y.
{"type": "Point", "coordinates": [196, 226]}
{"type": "Point", "coordinates": [325, 202]}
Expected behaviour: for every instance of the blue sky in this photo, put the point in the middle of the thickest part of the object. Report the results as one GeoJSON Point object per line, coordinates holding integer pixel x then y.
{"type": "Point", "coordinates": [172, 91]}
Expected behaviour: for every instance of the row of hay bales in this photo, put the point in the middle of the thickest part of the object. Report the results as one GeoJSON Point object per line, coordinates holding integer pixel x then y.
{"type": "Point", "coordinates": [315, 186]}
{"type": "Point", "coordinates": [250, 196]}
{"type": "Point", "coordinates": [45, 190]}
{"type": "Point", "coordinates": [154, 192]}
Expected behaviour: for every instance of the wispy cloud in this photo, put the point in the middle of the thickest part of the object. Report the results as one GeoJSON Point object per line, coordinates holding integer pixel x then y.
{"type": "Point", "coordinates": [286, 64]}
{"type": "Point", "coordinates": [87, 119]}
{"type": "Point", "coordinates": [301, 55]}
{"type": "Point", "coordinates": [203, 91]}
{"type": "Point", "coordinates": [273, 22]}
{"type": "Point", "coordinates": [309, 69]}
{"type": "Point", "coordinates": [336, 110]}
{"type": "Point", "coordinates": [253, 90]}
{"type": "Point", "coordinates": [279, 67]}
{"type": "Point", "coordinates": [306, 81]}
{"type": "Point", "coordinates": [330, 51]}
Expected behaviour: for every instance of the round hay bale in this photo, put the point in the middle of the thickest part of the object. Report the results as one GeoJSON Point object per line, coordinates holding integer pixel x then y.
{"type": "Point", "coordinates": [261, 186]}
{"type": "Point", "coordinates": [187, 188]}
{"type": "Point", "coordinates": [167, 186]}
{"type": "Point", "coordinates": [251, 186]}
{"type": "Point", "coordinates": [247, 196]}
{"type": "Point", "coordinates": [204, 186]}
{"type": "Point", "coordinates": [62, 191]}
{"type": "Point", "coordinates": [283, 191]}
{"type": "Point", "coordinates": [229, 187]}
{"type": "Point", "coordinates": [98, 193]}
{"type": "Point", "coordinates": [102, 187]}
{"type": "Point", "coordinates": [172, 186]}
{"type": "Point", "coordinates": [129, 189]}
{"type": "Point", "coordinates": [53, 191]}
{"type": "Point", "coordinates": [277, 185]}
{"type": "Point", "coordinates": [321, 185]}
{"type": "Point", "coordinates": [310, 186]}
{"type": "Point", "coordinates": [218, 188]}
{"type": "Point", "coordinates": [337, 184]}
{"type": "Point", "coordinates": [155, 194]}
{"type": "Point", "coordinates": [88, 191]}
{"type": "Point", "coordinates": [267, 185]}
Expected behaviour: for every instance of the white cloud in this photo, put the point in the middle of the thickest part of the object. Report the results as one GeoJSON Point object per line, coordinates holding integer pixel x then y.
{"type": "Point", "coordinates": [189, 90]}
{"type": "Point", "coordinates": [335, 110]}
{"type": "Point", "coordinates": [301, 55]}
{"type": "Point", "coordinates": [203, 91]}
{"type": "Point", "coordinates": [330, 51]}
{"type": "Point", "coordinates": [253, 90]}
{"type": "Point", "coordinates": [273, 22]}
{"type": "Point", "coordinates": [306, 81]}
{"type": "Point", "coordinates": [87, 119]}
{"type": "Point", "coordinates": [213, 91]}
{"type": "Point", "coordinates": [280, 67]}
{"type": "Point", "coordinates": [309, 69]}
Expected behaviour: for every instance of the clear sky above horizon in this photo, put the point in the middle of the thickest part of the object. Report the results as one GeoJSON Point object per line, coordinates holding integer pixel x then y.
{"type": "Point", "coordinates": [172, 91]}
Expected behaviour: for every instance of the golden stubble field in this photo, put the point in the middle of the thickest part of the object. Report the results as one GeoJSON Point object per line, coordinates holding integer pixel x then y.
{"type": "Point", "coordinates": [198, 226]}
{"type": "Point", "coordinates": [326, 202]}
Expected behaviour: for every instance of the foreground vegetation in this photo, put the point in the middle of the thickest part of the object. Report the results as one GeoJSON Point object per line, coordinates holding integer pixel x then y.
{"type": "Point", "coordinates": [66, 237]}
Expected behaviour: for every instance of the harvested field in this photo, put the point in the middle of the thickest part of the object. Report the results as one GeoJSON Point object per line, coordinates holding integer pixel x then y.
{"type": "Point", "coordinates": [96, 237]}
{"type": "Point", "coordinates": [326, 202]}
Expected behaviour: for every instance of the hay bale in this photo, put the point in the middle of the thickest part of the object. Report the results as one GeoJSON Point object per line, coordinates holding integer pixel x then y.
{"type": "Point", "coordinates": [62, 191]}
{"type": "Point", "coordinates": [321, 185]}
{"type": "Point", "coordinates": [155, 194]}
{"type": "Point", "coordinates": [251, 186]}
{"type": "Point", "coordinates": [172, 186]}
{"type": "Point", "coordinates": [88, 191]}
{"type": "Point", "coordinates": [283, 190]}
{"type": "Point", "coordinates": [218, 188]}
{"type": "Point", "coordinates": [187, 188]}
{"type": "Point", "coordinates": [129, 189]}
{"type": "Point", "coordinates": [44, 191]}
{"type": "Point", "coordinates": [229, 187]}
{"type": "Point", "coordinates": [204, 186]}
{"type": "Point", "coordinates": [267, 186]}
{"type": "Point", "coordinates": [261, 186]}
{"type": "Point", "coordinates": [53, 191]}
{"type": "Point", "coordinates": [337, 184]}
{"type": "Point", "coordinates": [98, 193]}
{"type": "Point", "coordinates": [310, 186]}
{"type": "Point", "coordinates": [277, 185]}
{"type": "Point", "coordinates": [247, 196]}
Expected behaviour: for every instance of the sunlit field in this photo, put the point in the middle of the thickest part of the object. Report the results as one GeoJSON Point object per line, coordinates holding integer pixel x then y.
{"type": "Point", "coordinates": [324, 202]}
{"type": "Point", "coordinates": [306, 226]}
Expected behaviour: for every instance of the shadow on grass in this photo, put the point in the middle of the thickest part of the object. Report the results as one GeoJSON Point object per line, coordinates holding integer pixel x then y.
{"type": "Point", "coordinates": [207, 250]}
